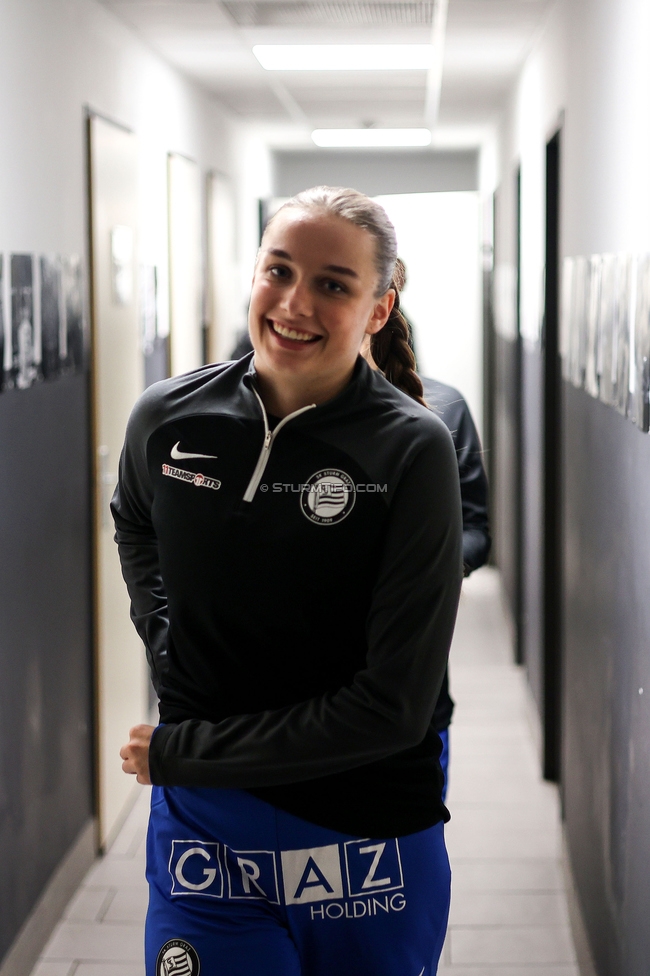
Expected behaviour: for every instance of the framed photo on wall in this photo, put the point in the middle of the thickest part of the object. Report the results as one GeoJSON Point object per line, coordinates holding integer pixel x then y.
{"type": "Point", "coordinates": [23, 371]}
{"type": "Point", "coordinates": [3, 316]}
{"type": "Point", "coordinates": [51, 303]}
{"type": "Point", "coordinates": [73, 333]}
{"type": "Point", "coordinates": [641, 376]}
{"type": "Point", "coordinates": [592, 336]}
{"type": "Point", "coordinates": [621, 336]}
{"type": "Point", "coordinates": [607, 320]}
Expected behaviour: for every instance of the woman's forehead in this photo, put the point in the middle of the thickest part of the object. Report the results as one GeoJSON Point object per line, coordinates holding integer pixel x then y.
{"type": "Point", "coordinates": [317, 235]}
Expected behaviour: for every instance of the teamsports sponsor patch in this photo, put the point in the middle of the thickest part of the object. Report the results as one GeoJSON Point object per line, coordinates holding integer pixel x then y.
{"type": "Point", "coordinates": [199, 480]}
{"type": "Point", "coordinates": [178, 958]}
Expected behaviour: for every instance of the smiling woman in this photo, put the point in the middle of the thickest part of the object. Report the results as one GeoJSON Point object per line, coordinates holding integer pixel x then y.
{"type": "Point", "coordinates": [297, 637]}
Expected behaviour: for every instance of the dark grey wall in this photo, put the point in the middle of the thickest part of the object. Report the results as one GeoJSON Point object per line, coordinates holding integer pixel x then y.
{"type": "Point", "coordinates": [45, 638]}
{"type": "Point", "coordinates": [505, 496]}
{"type": "Point", "coordinates": [375, 172]}
{"type": "Point", "coordinates": [532, 527]}
{"type": "Point", "coordinates": [606, 743]}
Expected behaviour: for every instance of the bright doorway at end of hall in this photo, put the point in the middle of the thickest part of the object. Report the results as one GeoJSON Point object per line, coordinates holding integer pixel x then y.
{"type": "Point", "coordinates": [438, 237]}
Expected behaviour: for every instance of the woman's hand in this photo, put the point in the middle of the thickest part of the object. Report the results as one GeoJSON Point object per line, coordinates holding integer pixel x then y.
{"type": "Point", "coordinates": [136, 753]}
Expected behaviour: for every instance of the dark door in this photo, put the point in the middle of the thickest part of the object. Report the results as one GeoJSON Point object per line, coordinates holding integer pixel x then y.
{"type": "Point", "coordinates": [518, 460]}
{"type": "Point", "coordinates": [552, 642]}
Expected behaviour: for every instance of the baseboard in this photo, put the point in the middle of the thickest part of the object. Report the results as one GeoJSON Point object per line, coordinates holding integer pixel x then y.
{"type": "Point", "coordinates": [578, 929]}
{"type": "Point", "coordinates": [37, 929]}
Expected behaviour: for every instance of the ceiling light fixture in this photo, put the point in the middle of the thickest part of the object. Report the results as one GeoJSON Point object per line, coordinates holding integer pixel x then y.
{"type": "Point", "coordinates": [370, 138]}
{"type": "Point", "coordinates": [344, 57]}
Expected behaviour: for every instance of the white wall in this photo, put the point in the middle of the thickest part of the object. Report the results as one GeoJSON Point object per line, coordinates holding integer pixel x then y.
{"type": "Point", "coordinates": [438, 237]}
{"type": "Point", "coordinates": [56, 57]}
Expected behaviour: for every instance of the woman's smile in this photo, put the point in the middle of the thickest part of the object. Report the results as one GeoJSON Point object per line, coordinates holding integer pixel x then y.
{"type": "Point", "coordinates": [291, 336]}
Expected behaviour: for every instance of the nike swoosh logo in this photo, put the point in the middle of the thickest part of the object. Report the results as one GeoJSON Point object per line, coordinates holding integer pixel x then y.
{"type": "Point", "coordinates": [183, 455]}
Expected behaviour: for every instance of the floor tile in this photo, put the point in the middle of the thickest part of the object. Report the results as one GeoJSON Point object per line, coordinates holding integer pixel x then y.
{"type": "Point", "coordinates": [516, 970]}
{"type": "Point", "coordinates": [114, 943]}
{"type": "Point", "coordinates": [508, 841]}
{"type": "Point", "coordinates": [109, 969]}
{"type": "Point", "coordinates": [117, 873]}
{"type": "Point", "coordinates": [53, 969]}
{"type": "Point", "coordinates": [509, 908]}
{"type": "Point", "coordinates": [511, 945]}
{"type": "Point", "coordinates": [129, 906]}
{"type": "Point", "coordinates": [538, 874]}
{"type": "Point", "coordinates": [87, 904]}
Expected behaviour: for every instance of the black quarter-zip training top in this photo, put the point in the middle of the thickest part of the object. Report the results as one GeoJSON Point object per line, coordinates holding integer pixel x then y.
{"type": "Point", "coordinates": [296, 589]}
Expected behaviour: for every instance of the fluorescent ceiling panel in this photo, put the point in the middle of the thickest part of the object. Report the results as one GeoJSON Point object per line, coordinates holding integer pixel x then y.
{"type": "Point", "coordinates": [344, 57]}
{"type": "Point", "coordinates": [374, 138]}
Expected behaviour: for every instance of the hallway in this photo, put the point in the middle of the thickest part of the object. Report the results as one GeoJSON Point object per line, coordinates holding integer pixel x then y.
{"type": "Point", "coordinates": [509, 915]}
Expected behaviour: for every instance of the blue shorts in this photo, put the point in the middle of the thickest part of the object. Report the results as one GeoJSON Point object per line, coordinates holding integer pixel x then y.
{"type": "Point", "coordinates": [240, 888]}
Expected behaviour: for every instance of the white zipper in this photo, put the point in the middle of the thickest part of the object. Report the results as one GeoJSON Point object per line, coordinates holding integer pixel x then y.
{"type": "Point", "coordinates": [265, 453]}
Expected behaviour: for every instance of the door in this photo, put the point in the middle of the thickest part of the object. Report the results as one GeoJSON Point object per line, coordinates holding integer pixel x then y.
{"type": "Point", "coordinates": [187, 339]}
{"type": "Point", "coordinates": [552, 584]}
{"type": "Point", "coordinates": [223, 317]}
{"type": "Point", "coordinates": [117, 380]}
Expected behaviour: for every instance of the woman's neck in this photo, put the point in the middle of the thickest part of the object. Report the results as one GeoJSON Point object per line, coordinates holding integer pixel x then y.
{"type": "Point", "coordinates": [284, 395]}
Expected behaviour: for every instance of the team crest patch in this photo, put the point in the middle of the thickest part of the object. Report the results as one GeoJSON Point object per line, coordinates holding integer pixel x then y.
{"type": "Point", "coordinates": [177, 958]}
{"type": "Point", "coordinates": [328, 497]}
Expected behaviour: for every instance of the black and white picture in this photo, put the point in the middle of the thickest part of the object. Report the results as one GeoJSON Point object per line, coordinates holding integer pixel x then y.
{"type": "Point", "coordinates": [155, 348]}
{"type": "Point", "coordinates": [566, 316]}
{"type": "Point", "coordinates": [591, 361]}
{"type": "Point", "coordinates": [73, 335]}
{"type": "Point", "coordinates": [641, 379]}
{"type": "Point", "coordinates": [578, 322]}
{"type": "Point", "coordinates": [621, 337]}
{"type": "Point", "coordinates": [2, 321]}
{"type": "Point", "coordinates": [50, 268]}
{"type": "Point", "coordinates": [23, 372]}
{"type": "Point", "coordinates": [148, 307]}
{"type": "Point", "coordinates": [607, 323]}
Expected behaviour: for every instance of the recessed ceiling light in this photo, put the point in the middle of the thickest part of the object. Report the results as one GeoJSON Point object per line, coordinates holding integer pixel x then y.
{"type": "Point", "coordinates": [344, 57]}
{"type": "Point", "coordinates": [370, 138]}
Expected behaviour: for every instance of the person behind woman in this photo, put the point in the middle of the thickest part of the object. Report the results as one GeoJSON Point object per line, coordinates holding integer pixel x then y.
{"type": "Point", "coordinates": [454, 412]}
{"type": "Point", "coordinates": [290, 532]}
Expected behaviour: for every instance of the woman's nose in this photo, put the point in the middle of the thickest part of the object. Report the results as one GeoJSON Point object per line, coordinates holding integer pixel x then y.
{"type": "Point", "coordinates": [297, 299]}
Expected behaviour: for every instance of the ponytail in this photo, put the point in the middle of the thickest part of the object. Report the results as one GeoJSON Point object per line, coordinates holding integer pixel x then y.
{"type": "Point", "coordinates": [391, 350]}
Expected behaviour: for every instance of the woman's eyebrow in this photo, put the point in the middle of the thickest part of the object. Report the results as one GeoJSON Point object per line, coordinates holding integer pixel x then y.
{"type": "Point", "coordinates": [340, 270]}
{"type": "Point", "coordinates": [279, 253]}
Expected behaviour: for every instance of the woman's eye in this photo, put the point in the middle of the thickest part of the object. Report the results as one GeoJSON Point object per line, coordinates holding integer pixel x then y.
{"type": "Point", "coordinates": [334, 287]}
{"type": "Point", "coordinates": [278, 271]}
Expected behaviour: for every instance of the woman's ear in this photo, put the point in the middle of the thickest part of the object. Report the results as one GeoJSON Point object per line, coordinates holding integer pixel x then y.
{"type": "Point", "coordinates": [381, 312]}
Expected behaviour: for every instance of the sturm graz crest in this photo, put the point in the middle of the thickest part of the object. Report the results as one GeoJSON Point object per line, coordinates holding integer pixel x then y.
{"type": "Point", "coordinates": [177, 958]}
{"type": "Point", "coordinates": [328, 496]}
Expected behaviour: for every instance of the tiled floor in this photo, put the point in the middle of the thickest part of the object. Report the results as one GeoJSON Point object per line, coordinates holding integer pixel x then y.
{"type": "Point", "coordinates": [509, 914]}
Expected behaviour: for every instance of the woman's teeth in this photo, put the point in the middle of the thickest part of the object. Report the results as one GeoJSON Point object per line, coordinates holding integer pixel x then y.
{"type": "Point", "coordinates": [291, 333]}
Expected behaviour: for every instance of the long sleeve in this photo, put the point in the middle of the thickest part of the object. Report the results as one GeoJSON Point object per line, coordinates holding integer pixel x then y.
{"type": "Point", "coordinates": [138, 546]}
{"type": "Point", "coordinates": [474, 492]}
{"type": "Point", "coordinates": [453, 410]}
{"type": "Point", "coordinates": [388, 705]}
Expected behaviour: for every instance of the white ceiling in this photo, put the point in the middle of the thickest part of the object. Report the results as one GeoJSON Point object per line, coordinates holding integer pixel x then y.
{"type": "Point", "coordinates": [211, 41]}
